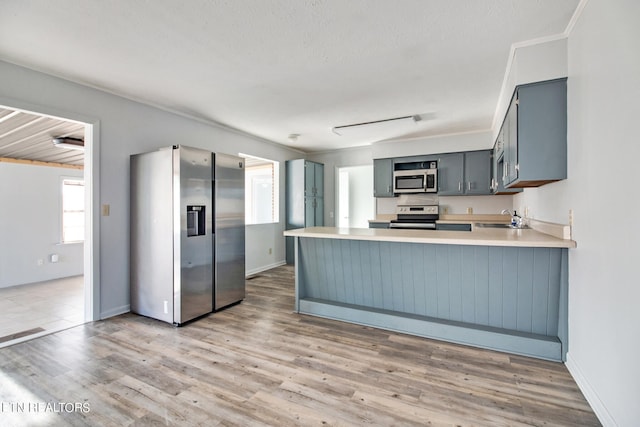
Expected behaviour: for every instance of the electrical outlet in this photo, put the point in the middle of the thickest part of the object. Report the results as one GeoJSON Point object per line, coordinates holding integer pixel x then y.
{"type": "Point", "coordinates": [571, 217]}
{"type": "Point", "coordinates": [106, 210]}
{"type": "Point", "coordinates": [469, 210]}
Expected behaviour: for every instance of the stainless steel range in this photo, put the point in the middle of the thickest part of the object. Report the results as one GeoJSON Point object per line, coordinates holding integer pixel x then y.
{"type": "Point", "coordinates": [416, 211]}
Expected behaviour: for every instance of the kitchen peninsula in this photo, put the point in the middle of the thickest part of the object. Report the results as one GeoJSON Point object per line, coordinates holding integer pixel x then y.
{"type": "Point", "coordinates": [498, 288]}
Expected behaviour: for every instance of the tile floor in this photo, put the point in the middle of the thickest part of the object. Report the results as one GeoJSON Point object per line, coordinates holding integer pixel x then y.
{"type": "Point", "coordinates": [53, 305]}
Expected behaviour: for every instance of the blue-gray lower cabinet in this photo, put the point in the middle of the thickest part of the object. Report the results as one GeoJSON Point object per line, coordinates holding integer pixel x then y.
{"type": "Point", "coordinates": [453, 227]}
{"type": "Point", "coordinates": [378, 225]}
{"type": "Point", "coordinates": [511, 299]}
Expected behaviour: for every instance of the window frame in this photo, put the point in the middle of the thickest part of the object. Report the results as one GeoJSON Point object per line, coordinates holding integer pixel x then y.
{"type": "Point", "coordinates": [253, 163]}
{"type": "Point", "coordinates": [79, 181]}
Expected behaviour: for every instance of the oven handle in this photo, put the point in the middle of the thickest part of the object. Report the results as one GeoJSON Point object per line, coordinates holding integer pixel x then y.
{"type": "Point", "coordinates": [413, 225]}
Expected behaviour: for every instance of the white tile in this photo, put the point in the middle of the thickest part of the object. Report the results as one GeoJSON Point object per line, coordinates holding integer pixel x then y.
{"type": "Point", "coordinates": [52, 305]}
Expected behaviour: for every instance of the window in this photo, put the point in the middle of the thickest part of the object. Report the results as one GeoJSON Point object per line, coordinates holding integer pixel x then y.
{"type": "Point", "coordinates": [261, 190]}
{"type": "Point", "coordinates": [72, 210]}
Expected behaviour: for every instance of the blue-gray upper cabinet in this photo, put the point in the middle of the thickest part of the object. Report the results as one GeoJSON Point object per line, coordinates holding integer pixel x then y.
{"type": "Point", "coordinates": [535, 150]}
{"type": "Point", "coordinates": [313, 179]}
{"type": "Point", "coordinates": [497, 167]}
{"type": "Point", "coordinates": [383, 178]}
{"type": "Point", "coordinates": [304, 206]}
{"type": "Point", "coordinates": [466, 173]}
{"type": "Point", "coordinates": [451, 174]}
{"type": "Point", "coordinates": [477, 172]}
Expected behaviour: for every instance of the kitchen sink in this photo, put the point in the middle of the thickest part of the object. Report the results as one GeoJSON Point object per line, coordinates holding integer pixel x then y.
{"type": "Point", "coordinates": [496, 225]}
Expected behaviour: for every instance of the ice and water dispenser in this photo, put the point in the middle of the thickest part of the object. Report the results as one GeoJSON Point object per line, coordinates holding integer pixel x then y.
{"type": "Point", "coordinates": [195, 220]}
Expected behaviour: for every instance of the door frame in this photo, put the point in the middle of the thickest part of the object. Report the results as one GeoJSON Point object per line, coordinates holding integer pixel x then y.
{"type": "Point", "coordinates": [91, 256]}
{"type": "Point", "coordinates": [336, 185]}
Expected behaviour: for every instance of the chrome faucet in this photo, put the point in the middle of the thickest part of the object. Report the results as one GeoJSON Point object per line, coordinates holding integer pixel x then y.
{"type": "Point", "coordinates": [516, 220]}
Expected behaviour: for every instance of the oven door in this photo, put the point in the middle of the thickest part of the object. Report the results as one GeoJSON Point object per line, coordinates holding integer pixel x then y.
{"type": "Point", "coordinates": [413, 225]}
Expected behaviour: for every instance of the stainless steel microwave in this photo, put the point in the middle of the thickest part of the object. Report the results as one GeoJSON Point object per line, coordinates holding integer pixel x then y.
{"type": "Point", "coordinates": [415, 181]}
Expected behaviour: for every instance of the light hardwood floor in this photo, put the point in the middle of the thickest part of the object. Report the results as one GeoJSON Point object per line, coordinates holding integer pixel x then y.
{"type": "Point", "coordinates": [257, 363]}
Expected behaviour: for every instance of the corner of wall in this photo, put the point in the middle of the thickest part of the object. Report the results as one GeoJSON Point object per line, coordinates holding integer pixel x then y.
{"type": "Point", "coordinates": [589, 393]}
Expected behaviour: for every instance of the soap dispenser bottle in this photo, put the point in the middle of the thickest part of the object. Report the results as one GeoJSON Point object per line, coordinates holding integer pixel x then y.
{"type": "Point", "coordinates": [516, 221]}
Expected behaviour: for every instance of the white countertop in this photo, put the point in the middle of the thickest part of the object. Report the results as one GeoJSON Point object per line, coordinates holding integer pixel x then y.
{"type": "Point", "coordinates": [477, 237]}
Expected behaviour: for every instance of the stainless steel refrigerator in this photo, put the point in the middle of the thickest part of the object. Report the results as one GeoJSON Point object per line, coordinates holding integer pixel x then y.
{"type": "Point", "coordinates": [187, 233]}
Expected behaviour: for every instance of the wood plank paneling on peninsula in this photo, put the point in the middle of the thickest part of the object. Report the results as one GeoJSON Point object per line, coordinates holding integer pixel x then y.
{"type": "Point", "coordinates": [508, 298]}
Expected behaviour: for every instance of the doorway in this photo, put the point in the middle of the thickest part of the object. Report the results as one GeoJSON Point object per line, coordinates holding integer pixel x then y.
{"type": "Point", "coordinates": [46, 278]}
{"type": "Point", "coordinates": [356, 204]}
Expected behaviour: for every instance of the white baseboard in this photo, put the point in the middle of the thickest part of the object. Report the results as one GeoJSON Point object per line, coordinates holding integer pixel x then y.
{"type": "Point", "coordinates": [264, 268]}
{"type": "Point", "coordinates": [115, 311]}
{"type": "Point", "coordinates": [589, 393]}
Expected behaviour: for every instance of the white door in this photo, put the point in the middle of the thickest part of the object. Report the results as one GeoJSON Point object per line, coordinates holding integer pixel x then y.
{"type": "Point", "coordinates": [356, 204]}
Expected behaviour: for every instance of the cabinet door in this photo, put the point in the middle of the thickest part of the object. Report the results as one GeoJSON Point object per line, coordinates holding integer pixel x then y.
{"type": "Point", "coordinates": [309, 179]}
{"type": "Point", "coordinates": [494, 169]}
{"type": "Point", "coordinates": [477, 172]}
{"type": "Point", "coordinates": [313, 179]}
{"type": "Point", "coordinates": [309, 211]}
{"type": "Point", "coordinates": [319, 212]}
{"type": "Point", "coordinates": [542, 133]}
{"type": "Point", "coordinates": [319, 179]}
{"type": "Point", "coordinates": [511, 143]}
{"type": "Point", "coordinates": [313, 211]}
{"type": "Point", "coordinates": [383, 178]}
{"type": "Point", "coordinates": [450, 174]}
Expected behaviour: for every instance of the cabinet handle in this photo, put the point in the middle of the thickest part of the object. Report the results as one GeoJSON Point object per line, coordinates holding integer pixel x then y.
{"type": "Point", "coordinates": [459, 186]}
{"type": "Point", "coordinates": [469, 186]}
{"type": "Point", "coordinates": [388, 189]}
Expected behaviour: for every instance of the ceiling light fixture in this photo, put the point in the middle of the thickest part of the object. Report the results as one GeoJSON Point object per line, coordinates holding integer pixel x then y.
{"type": "Point", "coordinates": [399, 124]}
{"type": "Point", "coordinates": [293, 137]}
{"type": "Point", "coordinates": [69, 142]}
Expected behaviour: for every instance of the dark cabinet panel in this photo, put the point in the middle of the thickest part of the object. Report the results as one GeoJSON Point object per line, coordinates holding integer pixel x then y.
{"type": "Point", "coordinates": [304, 198]}
{"type": "Point", "coordinates": [466, 173]}
{"type": "Point", "coordinates": [535, 151]}
{"type": "Point", "coordinates": [477, 172]}
{"type": "Point", "coordinates": [383, 178]}
{"type": "Point", "coordinates": [451, 174]}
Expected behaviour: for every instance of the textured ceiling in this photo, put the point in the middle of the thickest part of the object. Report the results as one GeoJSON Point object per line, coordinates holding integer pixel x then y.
{"type": "Point", "coordinates": [276, 67]}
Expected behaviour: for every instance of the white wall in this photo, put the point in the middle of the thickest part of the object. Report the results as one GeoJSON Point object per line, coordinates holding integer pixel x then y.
{"type": "Point", "coordinates": [432, 145]}
{"type": "Point", "coordinates": [128, 127]}
{"type": "Point", "coordinates": [479, 204]}
{"type": "Point", "coordinates": [602, 189]}
{"type": "Point", "coordinates": [30, 225]}
{"type": "Point", "coordinates": [531, 63]}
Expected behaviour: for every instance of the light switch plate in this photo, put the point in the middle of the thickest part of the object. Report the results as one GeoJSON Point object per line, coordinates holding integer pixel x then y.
{"type": "Point", "coordinates": [106, 210]}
